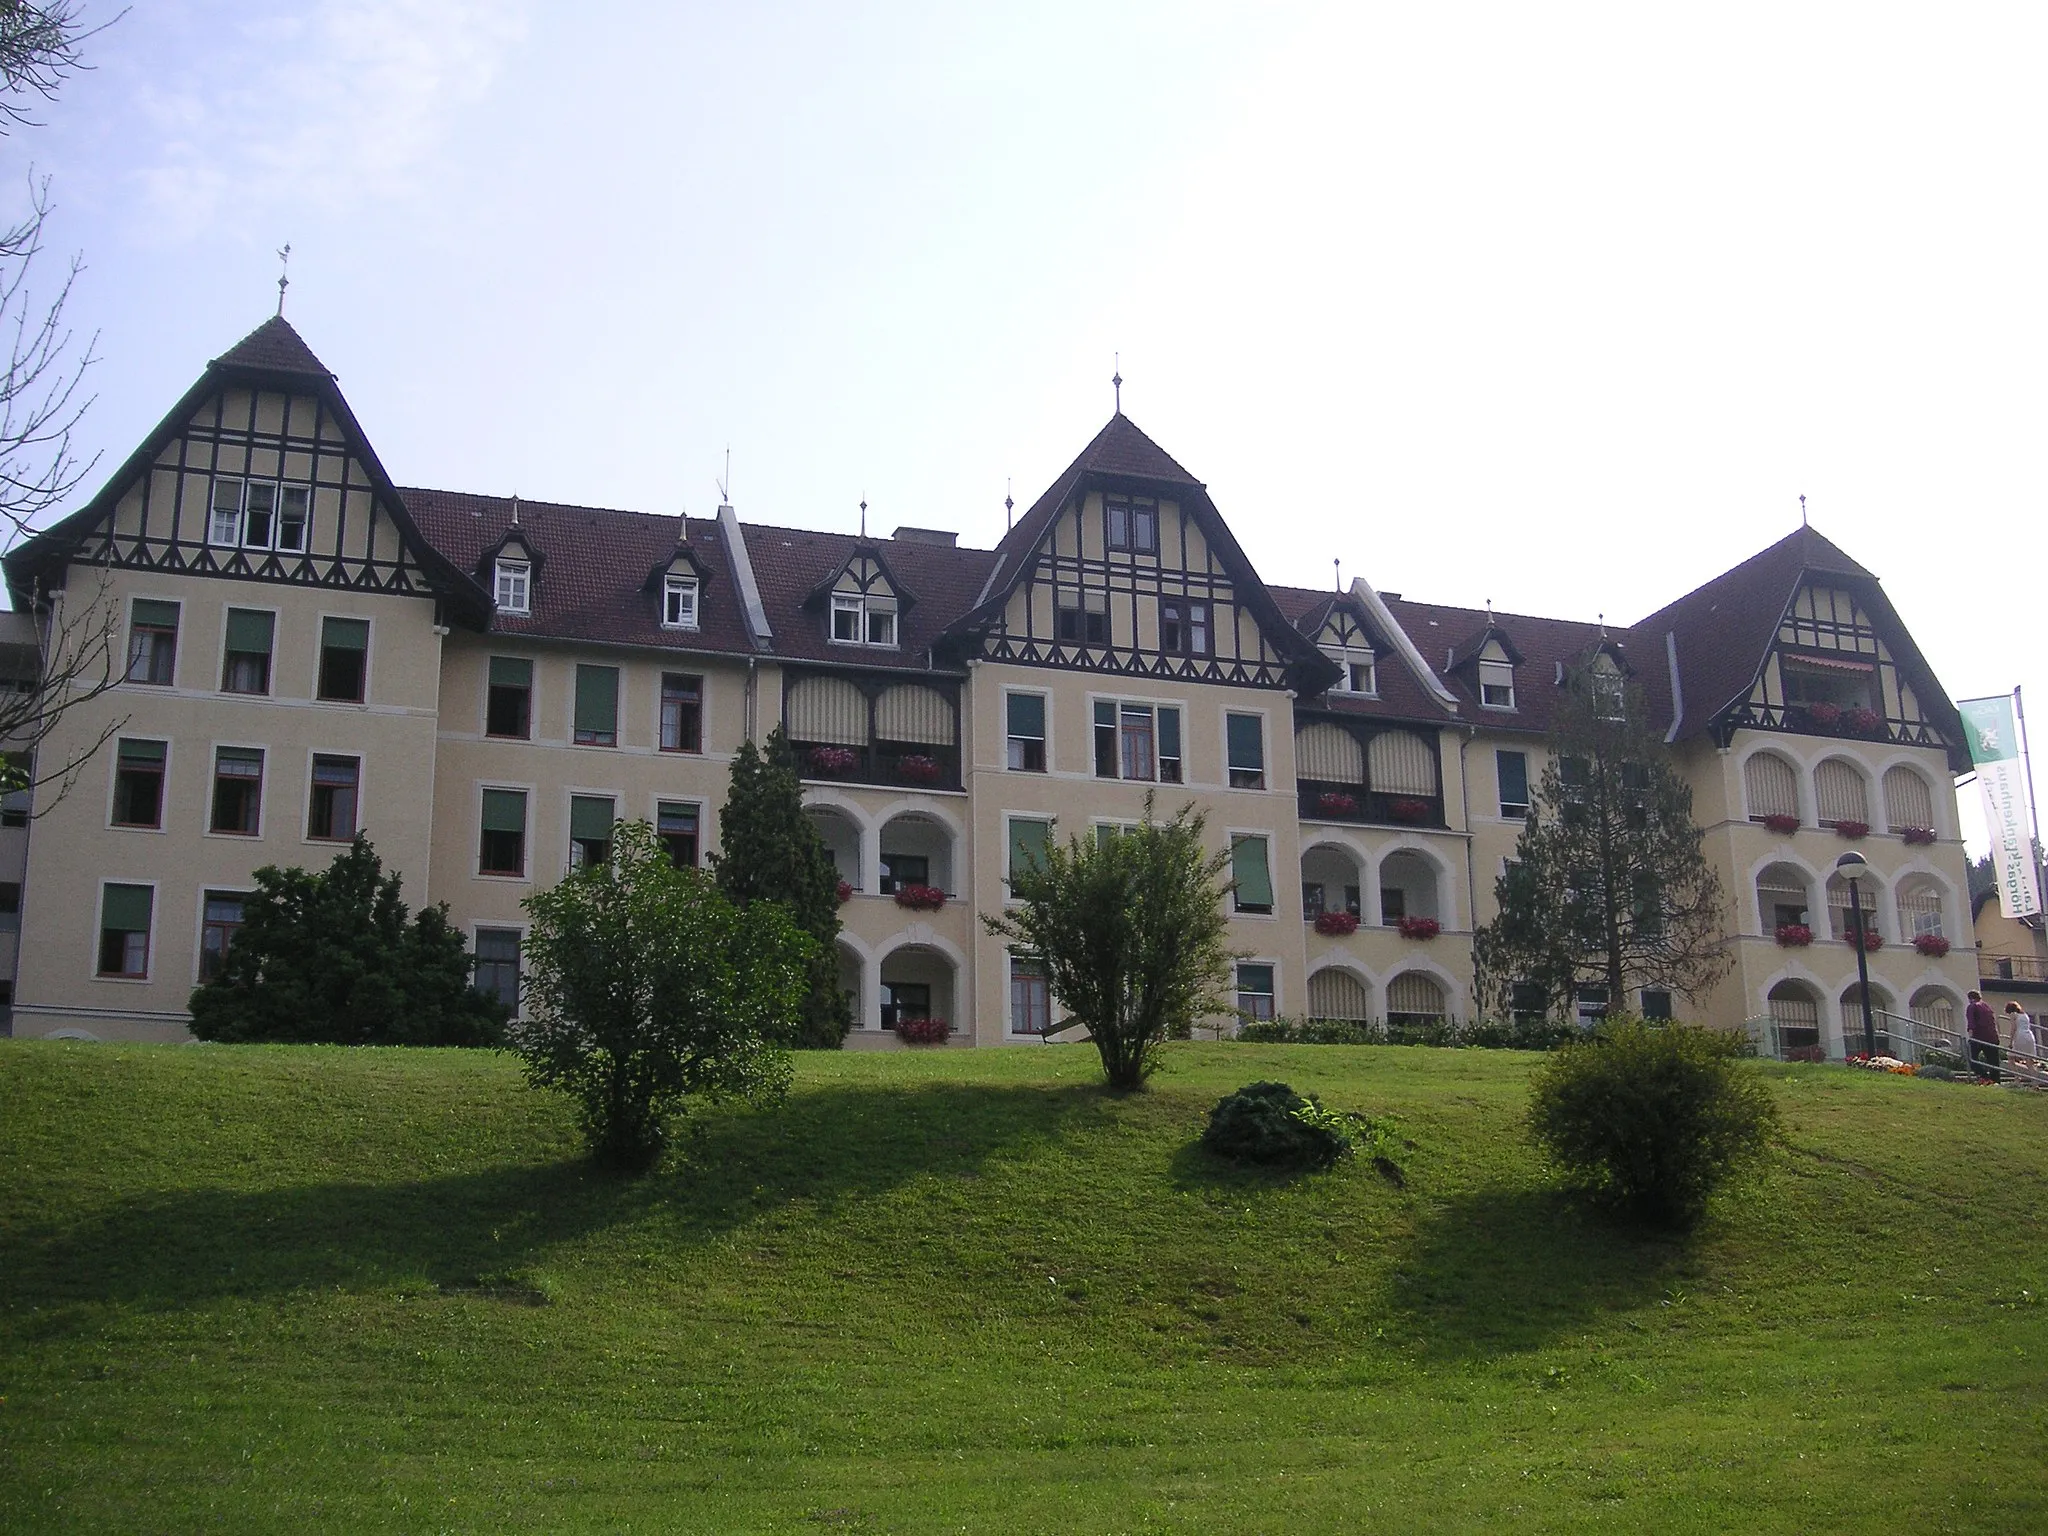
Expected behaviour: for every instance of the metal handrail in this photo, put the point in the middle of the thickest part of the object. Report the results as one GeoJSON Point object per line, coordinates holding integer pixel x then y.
{"type": "Point", "coordinates": [1910, 1040]}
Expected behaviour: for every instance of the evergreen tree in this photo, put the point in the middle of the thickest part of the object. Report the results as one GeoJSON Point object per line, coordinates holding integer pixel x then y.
{"type": "Point", "coordinates": [771, 852]}
{"type": "Point", "coordinates": [1609, 886]}
{"type": "Point", "coordinates": [329, 957]}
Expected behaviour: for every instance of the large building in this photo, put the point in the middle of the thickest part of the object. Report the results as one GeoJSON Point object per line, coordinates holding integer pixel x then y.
{"type": "Point", "coordinates": [485, 685]}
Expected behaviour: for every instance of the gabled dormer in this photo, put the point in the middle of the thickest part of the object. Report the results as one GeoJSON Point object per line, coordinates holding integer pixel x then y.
{"type": "Point", "coordinates": [510, 571]}
{"type": "Point", "coordinates": [1608, 675]}
{"type": "Point", "coordinates": [678, 585]}
{"type": "Point", "coordinates": [862, 604]}
{"type": "Point", "coordinates": [1487, 661]}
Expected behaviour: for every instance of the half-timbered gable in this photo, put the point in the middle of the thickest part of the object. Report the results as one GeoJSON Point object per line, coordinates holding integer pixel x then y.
{"type": "Point", "coordinates": [1125, 566]}
{"type": "Point", "coordinates": [259, 474]}
{"type": "Point", "coordinates": [861, 603]}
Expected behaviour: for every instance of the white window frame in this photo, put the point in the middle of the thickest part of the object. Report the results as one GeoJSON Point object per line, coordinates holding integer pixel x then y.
{"type": "Point", "coordinates": [512, 575]}
{"type": "Point", "coordinates": [679, 593]}
{"type": "Point", "coordinates": [1348, 657]}
{"type": "Point", "coordinates": [240, 538]}
{"type": "Point", "coordinates": [1505, 666]}
{"type": "Point", "coordinates": [865, 609]}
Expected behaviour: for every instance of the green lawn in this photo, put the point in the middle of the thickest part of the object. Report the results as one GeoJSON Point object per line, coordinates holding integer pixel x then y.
{"type": "Point", "coordinates": [260, 1289]}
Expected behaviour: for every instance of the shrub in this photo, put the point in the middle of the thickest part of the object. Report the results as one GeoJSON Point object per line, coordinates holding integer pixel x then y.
{"type": "Point", "coordinates": [923, 1031]}
{"type": "Point", "coordinates": [1650, 1120]}
{"type": "Point", "coordinates": [1271, 1124]}
{"type": "Point", "coordinates": [1527, 1034]}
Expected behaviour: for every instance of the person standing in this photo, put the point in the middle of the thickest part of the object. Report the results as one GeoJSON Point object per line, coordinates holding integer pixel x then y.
{"type": "Point", "coordinates": [1982, 1024]}
{"type": "Point", "coordinates": [2021, 1041]}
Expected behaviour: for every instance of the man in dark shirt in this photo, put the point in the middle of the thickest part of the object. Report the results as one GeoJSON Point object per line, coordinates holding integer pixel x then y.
{"type": "Point", "coordinates": [1983, 1028]}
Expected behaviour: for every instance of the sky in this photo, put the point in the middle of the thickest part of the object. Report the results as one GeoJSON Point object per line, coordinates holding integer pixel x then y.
{"type": "Point", "coordinates": [1561, 308]}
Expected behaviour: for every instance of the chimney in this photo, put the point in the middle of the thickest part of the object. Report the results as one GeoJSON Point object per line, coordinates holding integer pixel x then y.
{"type": "Point", "coordinates": [940, 536]}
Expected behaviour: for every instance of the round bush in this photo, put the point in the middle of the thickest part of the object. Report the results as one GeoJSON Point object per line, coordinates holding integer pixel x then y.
{"type": "Point", "coordinates": [1271, 1124]}
{"type": "Point", "coordinates": [1650, 1120]}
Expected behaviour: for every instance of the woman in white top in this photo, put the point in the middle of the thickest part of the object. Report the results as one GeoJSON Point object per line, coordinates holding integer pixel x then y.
{"type": "Point", "coordinates": [2023, 1042]}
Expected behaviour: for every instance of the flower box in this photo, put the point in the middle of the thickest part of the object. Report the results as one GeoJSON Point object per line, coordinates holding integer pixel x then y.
{"type": "Point", "coordinates": [1826, 716]}
{"type": "Point", "coordinates": [1794, 935]}
{"type": "Point", "coordinates": [1420, 928]}
{"type": "Point", "coordinates": [1852, 829]}
{"type": "Point", "coordinates": [1334, 802]}
{"type": "Point", "coordinates": [845, 892]}
{"type": "Point", "coordinates": [920, 898]}
{"type": "Point", "coordinates": [1872, 940]}
{"type": "Point", "coordinates": [830, 762]}
{"type": "Point", "coordinates": [1864, 722]}
{"type": "Point", "coordinates": [1931, 944]}
{"type": "Point", "coordinates": [1779, 821]}
{"type": "Point", "coordinates": [1408, 810]}
{"type": "Point", "coordinates": [923, 1031]}
{"type": "Point", "coordinates": [1921, 837]}
{"type": "Point", "coordinates": [919, 769]}
{"type": "Point", "coordinates": [1335, 925]}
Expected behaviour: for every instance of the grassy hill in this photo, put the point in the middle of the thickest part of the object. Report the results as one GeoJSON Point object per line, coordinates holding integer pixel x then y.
{"type": "Point", "coordinates": [250, 1289]}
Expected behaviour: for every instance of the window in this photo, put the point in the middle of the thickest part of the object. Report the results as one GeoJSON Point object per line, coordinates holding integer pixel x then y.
{"type": "Point", "coordinates": [1610, 692]}
{"type": "Point", "coordinates": [152, 641]}
{"type": "Point", "coordinates": [1026, 718]}
{"type": "Point", "coordinates": [331, 806]}
{"type": "Point", "coordinates": [1497, 684]}
{"type": "Point", "coordinates": [220, 921]}
{"type": "Point", "coordinates": [1512, 771]}
{"type": "Point", "coordinates": [227, 513]}
{"type": "Point", "coordinates": [294, 513]}
{"type": "Point", "coordinates": [1251, 874]}
{"type": "Point", "coordinates": [1840, 794]}
{"type": "Point", "coordinates": [502, 846]}
{"type": "Point", "coordinates": [903, 1001]}
{"type": "Point", "coordinates": [124, 930]}
{"type": "Point", "coordinates": [245, 667]}
{"type": "Point", "coordinates": [259, 514]}
{"type": "Point", "coordinates": [497, 965]}
{"type": "Point", "coordinates": [679, 602]}
{"type": "Point", "coordinates": [10, 905]}
{"type": "Point", "coordinates": [1827, 680]}
{"type": "Point", "coordinates": [590, 830]}
{"type": "Point", "coordinates": [1133, 524]}
{"type": "Point", "coordinates": [139, 783]}
{"type": "Point", "coordinates": [597, 706]}
{"type": "Point", "coordinates": [508, 705]}
{"type": "Point", "coordinates": [1528, 1003]}
{"type": "Point", "coordinates": [1086, 621]}
{"type": "Point", "coordinates": [846, 620]}
{"type": "Point", "coordinates": [863, 620]}
{"type": "Point", "coordinates": [1592, 1004]}
{"type": "Point", "coordinates": [1028, 840]}
{"type": "Point", "coordinates": [259, 519]}
{"type": "Point", "coordinates": [1137, 741]}
{"type": "Point", "coordinates": [902, 869]}
{"type": "Point", "coordinates": [1030, 996]}
{"type": "Point", "coordinates": [238, 790]}
{"type": "Point", "coordinates": [881, 623]}
{"type": "Point", "coordinates": [514, 585]}
{"type": "Point", "coordinates": [1656, 1003]}
{"type": "Point", "coordinates": [1772, 786]}
{"type": "Point", "coordinates": [1246, 737]}
{"type": "Point", "coordinates": [1393, 905]}
{"type": "Point", "coordinates": [18, 769]}
{"type": "Point", "coordinates": [1184, 629]}
{"type": "Point", "coordinates": [344, 658]}
{"type": "Point", "coordinates": [676, 824]}
{"type": "Point", "coordinates": [682, 713]}
{"type": "Point", "coordinates": [1360, 668]}
{"type": "Point", "coordinates": [1255, 991]}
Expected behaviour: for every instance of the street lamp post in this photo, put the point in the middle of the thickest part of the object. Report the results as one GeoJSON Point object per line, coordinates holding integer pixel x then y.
{"type": "Point", "coordinates": [1850, 865]}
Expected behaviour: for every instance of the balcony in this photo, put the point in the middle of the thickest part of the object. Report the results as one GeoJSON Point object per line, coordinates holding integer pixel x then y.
{"type": "Point", "coordinates": [2012, 968]}
{"type": "Point", "coordinates": [1322, 801]}
{"type": "Point", "coordinates": [899, 765]}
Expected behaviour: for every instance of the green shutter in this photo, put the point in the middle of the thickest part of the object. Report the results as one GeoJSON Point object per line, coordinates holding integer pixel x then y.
{"type": "Point", "coordinates": [141, 751]}
{"type": "Point", "coordinates": [511, 672]}
{"type": "Point", "coordinates": [1105, 714]}
{"type": "Point", "coordinates": [1027, 715]}
{"type": "Point", "coordinates": [1514, 777]}
{"type": "Point", "coordinates": [1169, 732]}
{"type": "Point", "coordinates": [249, 630]}
{"type": "Point", "coordinates": [125, 907]}
{"type": "Point", "coordinates": [597, 700]}
{"type": "Point", "coordinates": [1028, 840]}
{"type": "Point", "coordinates": [1248, 868]}
{"type": "Point", "coordinates": [590, 819]}
{"type": "Point", "coordinates": [1247, 741]}
{"type": "Point", "coordinates": [150, 610]}
{"type": "Point", "coordinates": [504, 810]}
{"type": "Point", "coordinates": [345, 634]}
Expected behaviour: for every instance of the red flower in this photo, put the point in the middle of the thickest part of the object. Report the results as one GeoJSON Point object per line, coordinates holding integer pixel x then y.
{"type": "Point", "coordinates": [845, 891]}
{"type": "Point", "coordinates": [1334, 925]}
{"type": "Point", "coordinates": [919, 769]}
{"type": "Point", "coordinates": [830, 761]}
{"type": "Point", "coordinates": [1872, 939]}
{"type": "Point", "coordinates": [923, 1031]}
{"type": "Point", "coordinates": [1920, 836]}
{"type": "Point", "coordinates": [1824, 715]}
{"type": "Point", "coordinates": [1852, 829]}
{"type": "Point", "coordinates": [1794, 935]}
{"type": "Point", "coordinates": [927, 898]}
{"type": "Point", "coordinates": [1334, 802]}
{"type": "Point", "coordinates": [1408, 809]}
{"type": "Point", "coordinates": [1420, 928]}
{"type": "Point", "coordinates": [1860, 720]}
{"type": "Point", "coordinates": [1932, 944]}
{"type": "Point", "coordinates": [1780, 821]}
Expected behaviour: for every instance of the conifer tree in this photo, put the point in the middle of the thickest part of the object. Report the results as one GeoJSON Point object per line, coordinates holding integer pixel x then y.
{"type": "Point", "coordinates": [770, 851]}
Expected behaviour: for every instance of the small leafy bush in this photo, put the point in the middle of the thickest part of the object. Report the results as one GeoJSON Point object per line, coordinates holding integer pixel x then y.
{"type": "Point", "coordinates": [1522, 1034]}
{"type": "Point", "coordinates": [1271, 1124]}
{"type": "Point", "coordinates": [1651, 1120]}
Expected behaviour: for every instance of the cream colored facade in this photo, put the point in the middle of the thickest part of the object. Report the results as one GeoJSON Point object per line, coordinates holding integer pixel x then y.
{"type": "Point", "coordinates": [1356, 739]}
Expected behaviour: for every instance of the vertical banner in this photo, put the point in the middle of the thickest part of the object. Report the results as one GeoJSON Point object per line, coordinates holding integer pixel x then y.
{"type": "Point", "coordinates": [2008, 801]}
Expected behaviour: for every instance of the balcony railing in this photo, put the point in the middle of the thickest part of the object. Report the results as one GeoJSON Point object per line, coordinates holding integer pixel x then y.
{"type": "Point", "coordinates": [1355, 803]}
{"type": "Point", "coordinates": [900, 765]}
{"type": "Point", "coordinates": [2012, 968]}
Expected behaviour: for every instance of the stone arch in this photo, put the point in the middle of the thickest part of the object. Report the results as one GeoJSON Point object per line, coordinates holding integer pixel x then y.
{"type": "Point", "coordinates": [1909, 800]}
{"type": "Point", "coordinates": [1781, 886]}
{"type": "Point", "coordinates": [1770, 784]}
{"type": "Point", "coordinates": [1793, 1006]}
{"type": "Point", "coordinates": [1339, 992]}
{"type": "Point", "coordinates": [1841, 792]}
{"type": "Point", "coordinates": [1443, 880]}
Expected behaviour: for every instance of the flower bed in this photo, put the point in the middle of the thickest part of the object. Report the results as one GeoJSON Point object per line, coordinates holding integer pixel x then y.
{"type": "Point", "coordinates": [1794, 935]}
{"type": "Point", "coordinates": [1779, 821]}
{"type": "Point", "coordinates": [1408, 810]}
{"type": "Point", "coordinates": [1334, 802]}
{"type": "Point", "coordinates": [920, 898]}
{"type": "Point", "coordinates": [919, 769]}
{"type": "Point", "coordinates": [845, 890]}
{"type": "Point", "coordinates": [1420, 928]}
{"type": "Point", "coordinates": [1852, 829]}
{"type": "Point", "coordinates": [830, 762]}
{"type": "Point", "coordinates": [1335, 925]}
{"type": "Point", "coordinates": [923, 1031]}
{"type": "Point", "coordinates": [1931, 944]}
{"type": "Point", "coordinates": [1919, 837]}
{"type": "Point", "coordinates": [1890, 1064]}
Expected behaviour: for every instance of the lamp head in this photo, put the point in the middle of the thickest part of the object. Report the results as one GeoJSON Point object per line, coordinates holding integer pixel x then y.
{"type": "Point", "coordinates": [1851, 864]}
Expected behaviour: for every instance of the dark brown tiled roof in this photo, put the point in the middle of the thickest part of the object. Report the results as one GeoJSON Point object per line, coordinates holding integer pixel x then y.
{"type": "Point", "coordinates": [790, 564]}
{"type": "Point", "coordinates": [1542, 644]}
{"type": "Point", "coordinates": [1401, 695]}
{"type": "Point", "coordinates": [274, 347]}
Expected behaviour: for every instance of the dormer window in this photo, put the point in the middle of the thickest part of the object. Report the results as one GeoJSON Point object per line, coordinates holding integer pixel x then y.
{"type": "Point", "coordinates": [514, 585]}
{"type": "Point", "coordinates": [1361, 671]}
{"type": "Point", "coordinates": [1609, 689]}
{"type": "Point", "coordinates": [863, 620]}
{"type": "Point", "coordinates": [1496, 676]}
{"type": "Point", "coordinates": [679, 602]}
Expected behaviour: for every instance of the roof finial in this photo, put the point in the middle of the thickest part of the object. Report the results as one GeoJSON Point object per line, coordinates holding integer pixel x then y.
{"type": "Point", "coordinates": [1603, 626]}
{"type": "Point", "coordinates": [1337, 566]}
{"type": "Point", "coordinates": [863, 516]}
{"type": "Point", "coordinates": [1009, 507]}
{"type": "Point", "coordinates": [1802, 509]}
{"type": "Point", "coordinates": [1489, 611]}
{"type": "Point", "coordinates": [284, 258]}
{"type": "Point", "coordinates": [724, 496]}
{"type": "Point", "coordinates": [515, 509]}
{"type": "Point", "coordinates": [1116, 381]}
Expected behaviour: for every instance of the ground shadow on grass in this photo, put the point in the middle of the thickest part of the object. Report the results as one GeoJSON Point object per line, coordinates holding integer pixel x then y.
{"type": "Point", "coordinates": [1195, 1168]}
{"type": "Point", "coordinates": [1501, 1271]}
{"type": "Point", "coordinates": [481, 1229]}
